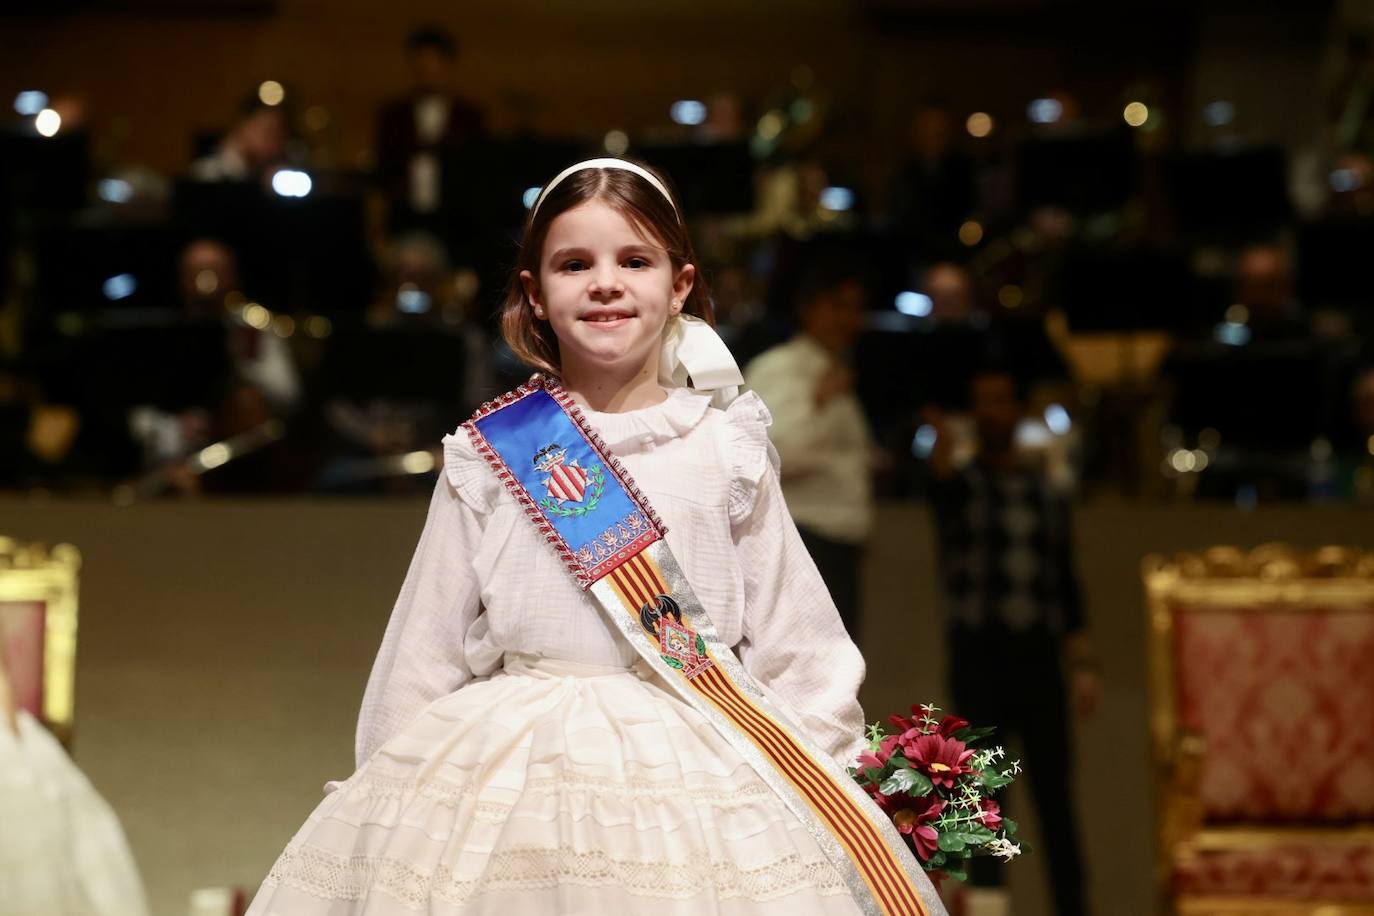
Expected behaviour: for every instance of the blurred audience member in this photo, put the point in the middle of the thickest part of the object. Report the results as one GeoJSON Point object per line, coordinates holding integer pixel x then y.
{"type": "Point", "coordinates": [1019, 651]}
{"type": "Point", "coordinates": [416, 133]}
{"type": "Point", "coordinates": [1355, 461]}
{"type": "Point", "coordinates": [953, 298]}
{"type": "Point", "coordinates": [819, 428]}
{"type": "Point", "coordinates": [36, 437]}
{"type": "Point", "coordinates": [1362, 406]}
{"type": "Point", "coordinates": [423, 290]}
{"type": "Point", "coordinates": [788, 203]}
{"type": "Point", "coordinates": [252, 148]}
{"type": "Point", "coordinates": [209, 281]}
{"type": "Point", "coordinates": [740, 313]}
{"type": "Point", "coordinates": [1352, 186]}
{"type": "Point", "coordinates": [375, 424]}
{"type": "Point", "coordinates": [256, 384]}
{"type": "Point", "coordinates": [724, 120]}
{"type": "Point", "coordinates": [933, 190]}
{"type": "Point", "coordinates": [1264, 286]}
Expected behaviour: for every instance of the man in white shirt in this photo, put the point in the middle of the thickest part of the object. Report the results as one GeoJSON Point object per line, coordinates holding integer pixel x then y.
{"type": "Point", "coordinates": [819, 428]}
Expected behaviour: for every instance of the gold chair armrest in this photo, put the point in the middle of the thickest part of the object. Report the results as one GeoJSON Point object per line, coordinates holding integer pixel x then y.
{"type": "Point", "coordinates": [1182, 806]}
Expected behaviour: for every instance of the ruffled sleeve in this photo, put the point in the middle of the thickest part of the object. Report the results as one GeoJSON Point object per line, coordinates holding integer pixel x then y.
{"type": "Point", "coordinates": [468, 473]}
{"type": "Point", "coordinates": [793, 640]}
{"type": "Point", "coordinates": [748, 452]}
{"type": "Point", "coordinates": [422, 656]}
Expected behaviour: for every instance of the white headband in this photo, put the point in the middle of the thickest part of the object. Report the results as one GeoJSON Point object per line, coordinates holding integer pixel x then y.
{"type": "Point", "coordinates": [606, 164]}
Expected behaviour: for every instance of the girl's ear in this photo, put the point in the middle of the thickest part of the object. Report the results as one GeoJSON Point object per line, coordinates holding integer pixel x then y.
{"type": "Point", "coordinates": [682, 283]}
{"type": "Point", "coordinates": [531, 287]}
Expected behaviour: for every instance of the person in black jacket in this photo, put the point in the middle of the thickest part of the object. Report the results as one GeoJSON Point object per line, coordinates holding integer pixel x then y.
{"type": "Point", "coordinates": [419, 133]}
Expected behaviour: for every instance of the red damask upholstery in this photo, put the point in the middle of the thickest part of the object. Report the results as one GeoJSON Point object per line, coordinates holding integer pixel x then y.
{"type": "Point", "coordinates": [22, 632]}
{"type": "Point", "coordinates": [1315, 871]}
{"type": "Point", "coordinates": [1285, 704]}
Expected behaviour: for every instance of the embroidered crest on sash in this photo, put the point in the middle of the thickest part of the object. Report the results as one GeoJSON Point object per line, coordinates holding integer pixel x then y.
{"type": "Point", "coordinates": [568, 483]}
{"type": "Point", "coordinates": [678, 643]}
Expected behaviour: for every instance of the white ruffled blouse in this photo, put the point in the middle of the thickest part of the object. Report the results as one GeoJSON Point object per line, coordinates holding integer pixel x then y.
{"type": "Point", "coordinates": [482, 582]}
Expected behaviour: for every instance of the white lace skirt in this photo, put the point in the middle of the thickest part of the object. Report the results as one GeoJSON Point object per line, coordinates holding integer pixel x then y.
{"type": "Point", "coordinates": [554, 788]}
{"type": "Point", "coordinates": [62, 851]}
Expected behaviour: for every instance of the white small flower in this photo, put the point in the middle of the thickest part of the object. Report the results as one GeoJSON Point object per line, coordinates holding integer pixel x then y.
{"type": "Point", "coordinates": [1003, 848]}
{"type": "Point", "coordinates": [1015, 767]}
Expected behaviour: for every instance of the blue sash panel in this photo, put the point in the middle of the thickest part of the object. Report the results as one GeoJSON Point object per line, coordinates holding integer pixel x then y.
{"type": "Point", "coordinates": [581, 497]}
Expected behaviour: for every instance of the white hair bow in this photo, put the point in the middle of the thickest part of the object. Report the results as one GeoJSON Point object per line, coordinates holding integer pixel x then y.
{"type": "Point", "coordinates": [694, 356]}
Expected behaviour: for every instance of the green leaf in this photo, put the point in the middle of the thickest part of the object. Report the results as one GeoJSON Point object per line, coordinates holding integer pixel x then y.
{"type": "Point", "coordinates": [952, 841]}
{"type": "Point", "coordinates": [872, 774]}
{"type": "Point", "coordinates": [969, 835]}
{"type": "Point", "coordinates": [905, 779]}
{"type": "Point", "coordinates": [957, 873]}
{"type": "Point", "coordinates": [936, 860]}
{"type": "Point", "coordinates": [978, 834]}
{"type": "Point", "coordinates": [993, 780]}
{"type": "Point", "coordinates": [1010, 827]}
{"type": "Point", "coordinates": [899, 781]}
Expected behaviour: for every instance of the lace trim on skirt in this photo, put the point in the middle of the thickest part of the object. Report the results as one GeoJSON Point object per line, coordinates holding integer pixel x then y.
{"type": "Point", "coordinates": [332, 877]}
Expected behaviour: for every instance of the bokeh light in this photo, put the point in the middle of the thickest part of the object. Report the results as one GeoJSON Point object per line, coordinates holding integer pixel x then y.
{"type": "Point", "coordinates": [271, 92]}
{"type": "Point", "coordinates": [48, 122]}
{"type": "Point", "coordinates": [979, 124]}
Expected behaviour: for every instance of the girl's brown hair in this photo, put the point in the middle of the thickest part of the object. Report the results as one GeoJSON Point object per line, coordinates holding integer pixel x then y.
{"type": "Point", "coordinates": [532, 339]}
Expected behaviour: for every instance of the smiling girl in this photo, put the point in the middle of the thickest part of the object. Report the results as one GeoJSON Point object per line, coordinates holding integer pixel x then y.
{"type": "Point", "coordinates": [613, 681]}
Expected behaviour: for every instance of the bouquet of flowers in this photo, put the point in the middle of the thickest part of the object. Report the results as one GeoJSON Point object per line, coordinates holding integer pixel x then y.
{"type": "Point", "coordinates": [938, 789]}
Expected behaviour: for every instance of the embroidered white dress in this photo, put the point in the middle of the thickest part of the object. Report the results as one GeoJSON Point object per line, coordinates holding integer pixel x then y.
{"type": "Point", "coordinates": [515, 757]}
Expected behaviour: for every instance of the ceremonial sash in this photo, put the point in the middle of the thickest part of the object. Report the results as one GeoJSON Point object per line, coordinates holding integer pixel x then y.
{"type": "Point", "coordinates": [590, 512]}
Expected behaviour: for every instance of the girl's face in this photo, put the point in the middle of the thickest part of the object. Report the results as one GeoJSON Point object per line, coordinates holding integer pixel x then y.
{"type": "Point", "coordinates": [607, 289]}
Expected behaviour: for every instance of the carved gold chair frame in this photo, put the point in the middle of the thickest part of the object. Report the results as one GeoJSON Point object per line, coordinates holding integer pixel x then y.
{"type": "Point", "coordinates": [32, 573]}
{"type": "Point", "coordinates": [1271, 577]}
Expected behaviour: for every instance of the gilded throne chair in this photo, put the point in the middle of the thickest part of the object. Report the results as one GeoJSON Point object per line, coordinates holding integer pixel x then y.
{"type": "Point", "coordinates": [38, 614]}
{"type": "Point", "coordinates": [1262, 720]}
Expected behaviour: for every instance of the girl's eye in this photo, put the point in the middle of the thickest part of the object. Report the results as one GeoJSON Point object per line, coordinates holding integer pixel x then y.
{"type": "Point", "coordinates": [573, 265]}
{"type": "Point", "coordinates": [637, 263]}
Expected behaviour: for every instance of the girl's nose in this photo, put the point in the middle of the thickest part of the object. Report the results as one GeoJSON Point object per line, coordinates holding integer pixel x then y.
{"type": "Point", "coordinates": [605, 286]}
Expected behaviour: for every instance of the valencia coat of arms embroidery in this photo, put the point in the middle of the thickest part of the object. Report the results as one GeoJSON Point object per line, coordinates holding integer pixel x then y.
{"type": "Point", "coordinates": [571, 489]}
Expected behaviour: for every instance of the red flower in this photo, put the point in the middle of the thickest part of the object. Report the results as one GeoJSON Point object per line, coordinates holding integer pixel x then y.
{"type": "Point", "coordinates": [877, 760]}
{"type": "Point", "coordinates": [927, 840]}
{"type": "Point", "coordinates": [949, 725]}
{"type": "Point", "coordinates": [991, 817]}
{"type": "Point", "coordinates": [914, 819]}
{"type": "Point", "coordinates": [903, 723]}
{"type": "Point", "coordinates": [940, 759]}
